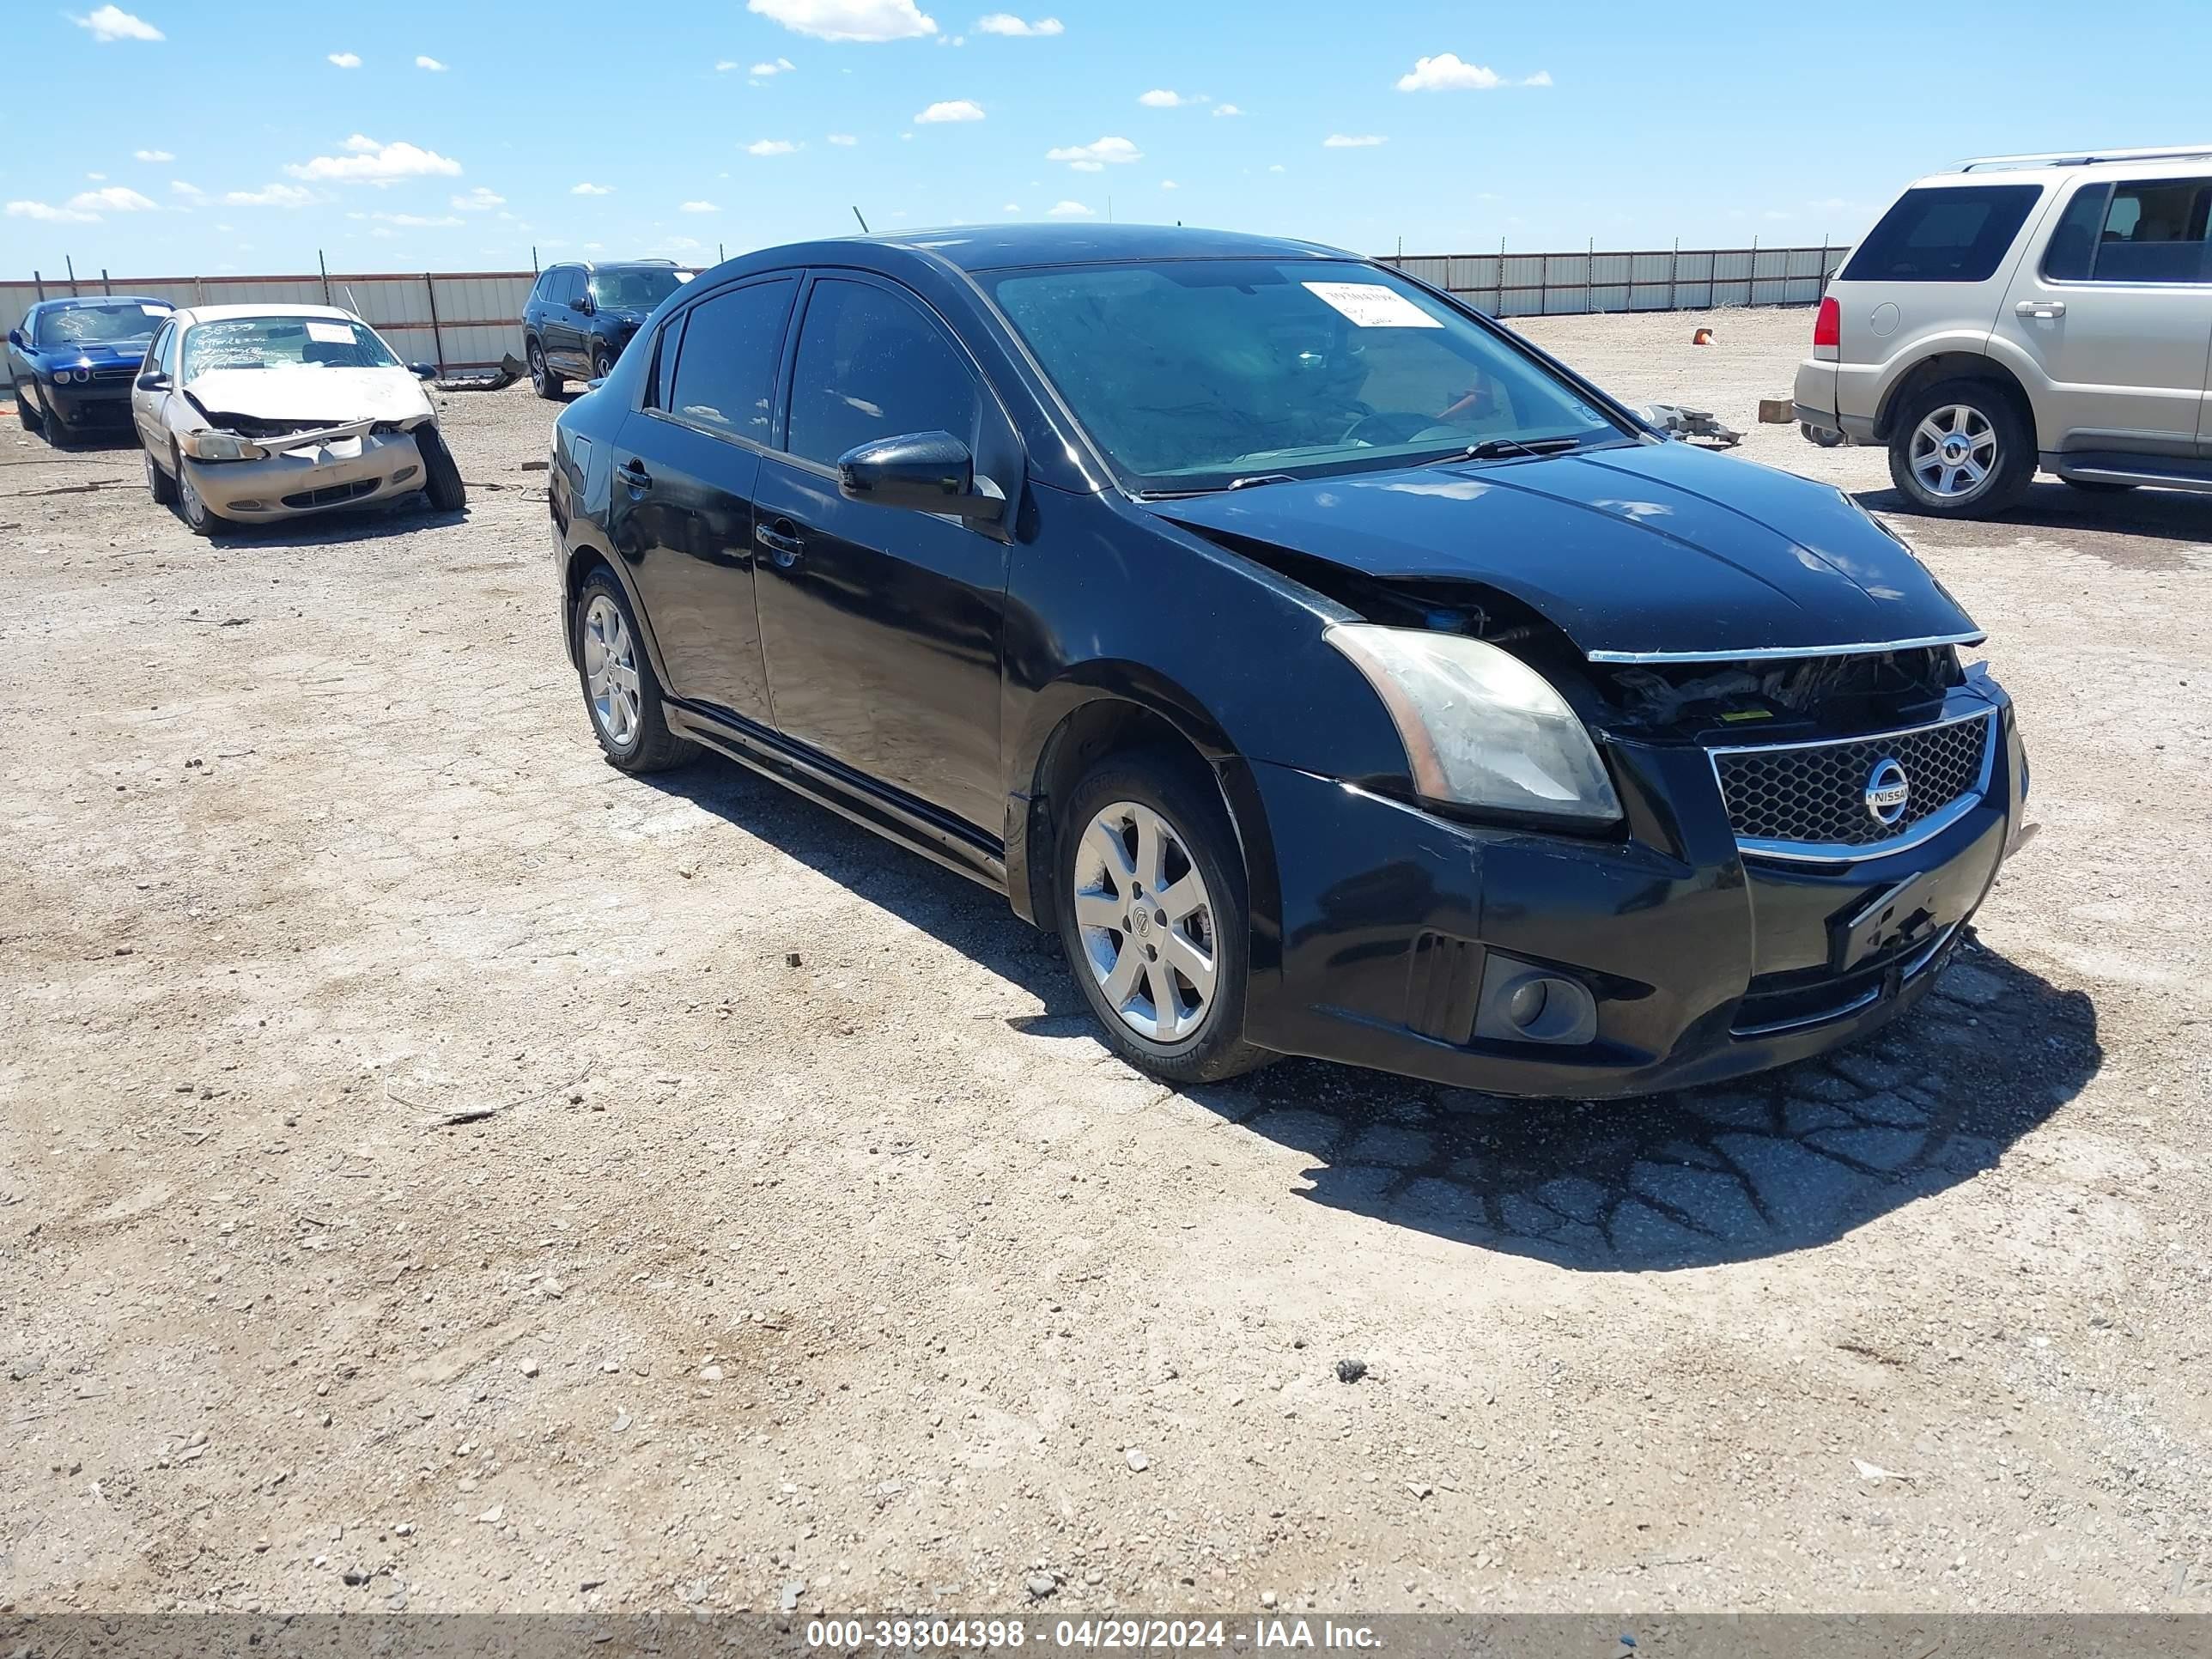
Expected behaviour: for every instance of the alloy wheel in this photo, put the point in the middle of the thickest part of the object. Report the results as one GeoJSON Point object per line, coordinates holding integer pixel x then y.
{"type": "Point", "coordinates": [1146, 922]}
{"type": "Point", "coordinates": [610, 680]}
{"type": "Point", "coordinates": [1954, 452]}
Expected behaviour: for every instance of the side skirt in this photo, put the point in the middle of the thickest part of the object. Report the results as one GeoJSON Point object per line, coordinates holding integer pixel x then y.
{"type": "Point", "coordinates": [891, 813]}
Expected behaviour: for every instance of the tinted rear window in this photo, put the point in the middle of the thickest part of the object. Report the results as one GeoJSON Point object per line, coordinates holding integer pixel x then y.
{"type": "Point", "coordinates": [1956, 234]}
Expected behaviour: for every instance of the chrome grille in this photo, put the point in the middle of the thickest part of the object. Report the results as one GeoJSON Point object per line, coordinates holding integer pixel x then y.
{"type": "Point", "coordinates": [1814, 796]}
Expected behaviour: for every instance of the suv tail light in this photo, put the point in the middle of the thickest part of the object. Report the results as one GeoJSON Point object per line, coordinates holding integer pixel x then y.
{"type": "Point", "coordinates": [1828, 326]}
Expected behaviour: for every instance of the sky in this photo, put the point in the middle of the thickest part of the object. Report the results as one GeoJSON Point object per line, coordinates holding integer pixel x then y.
{"type": "Point", "coordinates": [203, 137]}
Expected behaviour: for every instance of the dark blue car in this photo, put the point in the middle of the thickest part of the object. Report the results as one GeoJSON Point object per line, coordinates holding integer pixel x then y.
{"type": "Point", "coordinates": [73, 362]}
{"type": "Point", "coordinates": [1335, 672]}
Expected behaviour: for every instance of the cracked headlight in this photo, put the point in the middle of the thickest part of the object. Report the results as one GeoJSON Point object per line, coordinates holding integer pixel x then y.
{"type": "Point", "coordinates": [1481, 728]}
{"type": "Point", "coordinates": [217, 446]}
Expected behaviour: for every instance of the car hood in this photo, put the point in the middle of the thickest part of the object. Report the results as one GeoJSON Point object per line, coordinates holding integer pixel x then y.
{"type": "Point", "coordinates": [99, 355]}
{"type": "Point", "coordinates": [312, 397]}
{"type": "Point", "coordinates": [1656, 550]}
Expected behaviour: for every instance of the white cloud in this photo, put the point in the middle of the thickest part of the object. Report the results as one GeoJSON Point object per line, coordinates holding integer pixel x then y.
{"type": "Point", "coordinates": [1161, 98]}
{"type": "Point", "coordinates": [1227, 109]}
{"type": "Point", "coordinates": [368, 162]}
{"type": "Point", "coordinates": [1088, 158]}
{"type": "Point", "coordinates": [430, 64]}
{"type": "Point", "coordinates": [381, 231]}
{"type": "Point", "coordinates": [682, 243]}
{"type": "Point", "coordinates": [50, 215]}
{"type": "Point", "coordinates": [771, 147]}
{"type": "Point", "coordinates": [1005, 23]}
{"type": "Point", "coordinates": [416, 220]}
{"type": "Point", "coordinates": [116, 198]}
{"type": "Point", "coordinates": [1361, 141]}
{"type": "Point", "coordinates": [845, 140]}
{"type": "Point", "coordinates": [478, 200]}
{"type": "Point", "coordinates": [698, 207]}
{"type": "Point", "coordinates": [764, 68]}
{"type": "Point", "coordinates": [152, 155]}
{"type": "Point", "coordinates": [97, 178]}
{"type": "Point", "coordinates": [282, 196]}
{"type": "Point", "coordinates": [1070, 210]}
{"type": "Point", "coordinates": [1540, 78]}
{"type": "Point", "coordinates": [1278, 167]}
{"type": "Point", "coordinates": [190, 192]}
{"type": "Point", "coordinates": [346, 59]}
{"type": "Point", "coordinates": [113, 23]}
{"type": "Point", "coordinates": [847, 19]}
{"type": "Point", "coordinates": [590, 189]}
{"type": "Point", "coordinates": [1012, 207]}
{"type": "Point", "coordinates": [726, 65]}
{"type": "Point", "coordinates": [956, 109]}
{"type": "Point", "coordinates": [1446, 73]}
{"type": "Point", "coordinates": [1170, 184]}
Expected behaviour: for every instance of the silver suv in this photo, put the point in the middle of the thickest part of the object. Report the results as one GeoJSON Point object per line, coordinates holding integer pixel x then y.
{"type": "Point", "coordinates": [2022, 312]}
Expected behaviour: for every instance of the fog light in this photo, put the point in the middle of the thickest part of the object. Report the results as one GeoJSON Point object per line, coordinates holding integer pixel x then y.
{"type": "Point", "coordinates": [1521, 1002]}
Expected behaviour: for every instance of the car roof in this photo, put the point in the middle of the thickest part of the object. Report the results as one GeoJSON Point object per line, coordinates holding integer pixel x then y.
{"type": "Point", "coordinates": [990, 247]}
{"type": "Point", "coordinates": [220, 313]}
{"type": "Point", "coordinates": [612, 264]}
{"type": "Point", "coordinates": [75, 301]}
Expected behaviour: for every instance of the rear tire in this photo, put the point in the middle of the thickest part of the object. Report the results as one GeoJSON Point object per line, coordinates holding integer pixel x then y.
{"type": "Point", "coordinates": [1150, 890]}
{"type": "Point", "coordinates": [441, 474]}
{"type": "Point", "coordinates": [542, 380]}
{"type": "Point", "coordinates": [603, 362]}
{"type": "Point", "coordinates": [621, 692]}
{"type": "Point", "coordinates": [159, 484]}
{"type": "Point", "coordinates": [1961, 449]}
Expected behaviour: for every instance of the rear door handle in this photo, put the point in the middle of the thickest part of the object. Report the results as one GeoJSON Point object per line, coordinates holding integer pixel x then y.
{"type": "Point", "coordinates": [2040, 309]}
{"type": "Point", "coordinates": [784, 545]}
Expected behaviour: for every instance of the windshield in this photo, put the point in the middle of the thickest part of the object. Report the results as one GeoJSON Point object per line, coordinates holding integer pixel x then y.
{"type": "Point", "coordinates": [1191, 374]}
{"type": "Point", "coordinates": [633, 290]}
{"type": "Point", "coordinates": [283, 342]}
{"type": "Point", "coordinates": [125, 323]}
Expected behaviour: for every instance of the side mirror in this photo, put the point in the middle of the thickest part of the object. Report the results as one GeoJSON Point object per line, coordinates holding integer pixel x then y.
{"type": "Point", "coordinates": [153, 380]}
{"type": "Point", "coordinates": [582, 302]}
{"type": "Point", "coordinates": [424, 371]}
{"type": "Point", "coordinates": [926, 472]}
{"type": "Point", "coordinates": [15, 338]}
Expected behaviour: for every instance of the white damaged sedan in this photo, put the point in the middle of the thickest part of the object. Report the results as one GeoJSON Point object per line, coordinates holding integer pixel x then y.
{"type": "Point", "coordinates": [255, 412]}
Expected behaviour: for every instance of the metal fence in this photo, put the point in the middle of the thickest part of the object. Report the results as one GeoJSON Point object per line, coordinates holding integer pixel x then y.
{"type": "Point", "coordinates": [456, 320]}
{"type": "Point", "coordinates": [1666, 279]}
{"type": "Point", "coordinates": [471, 319]}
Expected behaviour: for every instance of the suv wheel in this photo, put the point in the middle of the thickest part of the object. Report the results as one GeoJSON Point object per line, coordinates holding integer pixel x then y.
{"type": "Point", "coordinates": [1152, 917]}
{"type": "Point", "coordinates": [603, 362]}
{"type": "Point", "coordinates": [1960, 450]}
{"type": "Point", "coordinates": [542, 380]}
{"type": "Point", "coordinates": [619, 686]}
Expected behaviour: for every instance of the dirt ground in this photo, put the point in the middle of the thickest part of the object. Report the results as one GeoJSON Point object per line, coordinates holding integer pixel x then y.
{"type": "Point", "coordinates": [815, 1255]}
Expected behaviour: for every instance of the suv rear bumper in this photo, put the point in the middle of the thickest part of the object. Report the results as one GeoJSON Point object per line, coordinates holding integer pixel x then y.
{"type": "Point", "coordinates": [1821, 396]}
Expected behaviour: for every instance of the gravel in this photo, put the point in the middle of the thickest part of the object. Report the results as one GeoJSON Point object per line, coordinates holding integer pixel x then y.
{"type": "Point", "coordinates": [1635, 1350]}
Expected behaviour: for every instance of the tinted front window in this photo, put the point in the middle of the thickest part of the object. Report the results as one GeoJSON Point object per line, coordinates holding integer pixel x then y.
{"type": "Point", "coordinates": [726, 370]}
{"type": "Point", "coordinates": [1191, 374]}
{"type": "Point", "coordinates": [871, 365]}
{"type": "Point", "coordinates": [1943, 235]}
{"type": "Point", "coordinates": [121, 322]}
{"type": "Point", "coordinates": [633, 290]}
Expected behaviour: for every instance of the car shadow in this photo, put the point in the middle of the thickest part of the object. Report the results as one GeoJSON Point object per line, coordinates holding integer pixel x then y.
{"type": "Point", "coordinates": [1788, 1160]}
{"type": "Point", "coordinates": [2164, 515]}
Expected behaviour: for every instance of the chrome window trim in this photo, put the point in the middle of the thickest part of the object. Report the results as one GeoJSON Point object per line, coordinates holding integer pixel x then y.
{"type": "Point", "coordinates": [1812, 852]}
{"type": "Point", "coordinates": [1782, 653]}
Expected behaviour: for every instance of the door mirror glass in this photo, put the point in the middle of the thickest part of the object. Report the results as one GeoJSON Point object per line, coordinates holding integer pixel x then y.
{"type": "Point", "coordinates": [424, 371]}
{"type": "Point", "coordinates": [15, 337]}
{"type": "Point", "coordinates": [926, 472]}
{"type": "Point", "coordinates": [582, 302]}
{"type": "Point", "coordinates": [153, 380]}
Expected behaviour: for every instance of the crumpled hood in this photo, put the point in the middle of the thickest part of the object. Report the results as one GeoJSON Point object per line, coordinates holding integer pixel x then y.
{"type": "Point", "coordinates": [312, 397]}
{"type": "Point", "coordinates": [1661, 548]}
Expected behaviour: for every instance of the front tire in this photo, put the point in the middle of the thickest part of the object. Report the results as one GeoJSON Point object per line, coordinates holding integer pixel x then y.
{"type": "Point", "coordinates": [1960, 449]}
{"type": "Point", "coordinates": [441, 474]}
{"type": "Point", "coordinates": [542, 380]}
{"type": "Point", "coordinates": [159, 484]}
{"type": "Point", "coordinates": [620, 691]}
{"type": "Point", "coordinates": [1150, 897]}
{"type": "Point", "coordinates": [33, 423]}
{"type": "Point", "coordinates": [198, 518]}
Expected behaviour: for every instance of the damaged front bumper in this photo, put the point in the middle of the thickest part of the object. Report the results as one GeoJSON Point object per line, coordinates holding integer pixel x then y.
{"type": "Point", "coordinates": [348, 466]}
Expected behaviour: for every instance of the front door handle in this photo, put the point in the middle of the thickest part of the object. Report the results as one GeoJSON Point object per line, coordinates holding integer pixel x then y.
{"type": "Point", "coordinates": [783, 544]}
{"type": "Point", "coordinates": [634, 474]}
{"type": "Point", "coordinates": [2042, 310]}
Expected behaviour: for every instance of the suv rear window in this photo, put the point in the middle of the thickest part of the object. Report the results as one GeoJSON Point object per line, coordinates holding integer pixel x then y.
{"type": "Point", "coordinates": [1948, 235]}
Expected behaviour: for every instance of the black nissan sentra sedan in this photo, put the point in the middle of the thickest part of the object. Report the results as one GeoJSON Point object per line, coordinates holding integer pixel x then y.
{"type": "Point", "coordinates": [1337, 673]}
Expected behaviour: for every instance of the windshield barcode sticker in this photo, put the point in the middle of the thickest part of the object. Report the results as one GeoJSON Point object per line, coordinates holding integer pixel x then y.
{"type": "Point", "coordinates": [330, 333]}
{"type": "Point", "coordinates": [1370, 304]}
